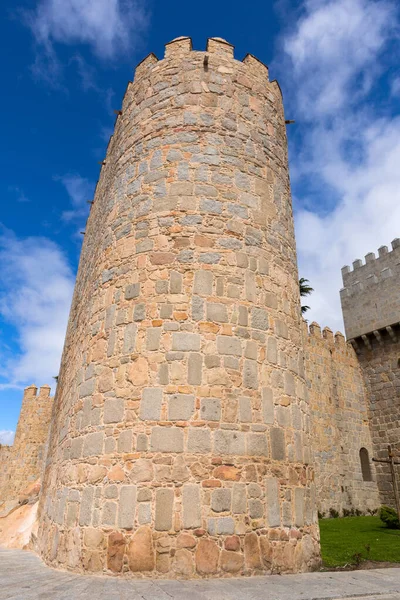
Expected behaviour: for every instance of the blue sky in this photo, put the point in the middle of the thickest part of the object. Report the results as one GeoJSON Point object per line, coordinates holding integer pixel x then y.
{"type": "Point", "coordinates": [65, 67]}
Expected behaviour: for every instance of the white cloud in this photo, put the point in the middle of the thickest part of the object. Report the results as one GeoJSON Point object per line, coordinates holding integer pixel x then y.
{"type": "Point", "coordinates": [108, 27]}
{"type": "Point", "coordinates": [80, 191]}
{"type": "Point", "coordinates": [6, 437]}
{"type": "Point", "coordinates": [35, 295]}
{"type": "Point", "coordinates": [346, 154]}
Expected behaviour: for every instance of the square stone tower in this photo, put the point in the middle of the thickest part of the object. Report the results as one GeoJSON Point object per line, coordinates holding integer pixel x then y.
{"type": "Point", "coordinates": [371, 311]}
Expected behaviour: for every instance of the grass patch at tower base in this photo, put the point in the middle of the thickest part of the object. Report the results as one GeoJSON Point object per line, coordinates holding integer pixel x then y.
{"type": "Point", "coordinates": [352, 540]}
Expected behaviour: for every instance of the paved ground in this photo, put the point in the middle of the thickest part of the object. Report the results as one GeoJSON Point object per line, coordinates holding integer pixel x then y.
{"type": "Point", "coordinates": [24, 577]}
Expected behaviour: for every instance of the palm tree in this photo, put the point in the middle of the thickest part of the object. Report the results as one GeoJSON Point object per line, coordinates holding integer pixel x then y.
{"type": "Point", "coordinates": [305, 290]}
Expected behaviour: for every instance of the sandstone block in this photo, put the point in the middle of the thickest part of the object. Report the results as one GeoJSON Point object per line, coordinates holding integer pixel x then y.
{"type": "Point", "coordinates": [141, 554]}
{"type": "Point", "coordinates": [232, 543]}
{"type": "Point", "coordinates": [257, 444]}
{"type": "Point", "coordinates": [129, 338]}
{"type": "Point", "coordinates": [259, 319]}
{"type": "Point", "coordinates": [245, 412]}
{"type": "Point", "coordinates": [115, 551]}
{"type": "Point", "coordinates": [299, 506]}
{"type": "Point", "coordinates": [197, 308]}
{"type": "Point", "coordinates": [109, 513]}
{"type": "Point", "coordinates": [231, 562]}
{"type": "Point", "coordinates": [250, 374]}
{"type": "Point", "coordinates": [267, 405]}
{"type": "Point", "coordinates": [153, 338]}
{"type": "Point", "coordinates": [144, 513]}
{"type": "Point", "coordinates": [175, 283]}
{"type": "Point", "coordinates": [252, 551]}
{"type": "Point", "coordinates": [142, 470]}
{"type": "Point", "coordinates": [206, 556]}
{"type": "Point", "coordinates": [125, 440]}
{"type": "Point", "coordinates": [183, 563]}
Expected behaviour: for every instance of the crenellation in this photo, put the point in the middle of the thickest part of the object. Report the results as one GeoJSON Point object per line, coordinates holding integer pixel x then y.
{"type": "Point", "coordinates": [369, 298]}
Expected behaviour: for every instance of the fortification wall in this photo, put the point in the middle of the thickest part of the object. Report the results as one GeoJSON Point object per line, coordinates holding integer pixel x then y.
{"type": "Point", "coordinates": [380, 362]}
{"type": "Point", "coordinates": [25, 458]}
{"type": "Point", "coordinates": [180, 445]}
{"type": "Point", "coordinates": [370, 296]}
{"type": "Point", "coordinates": [339, 422]}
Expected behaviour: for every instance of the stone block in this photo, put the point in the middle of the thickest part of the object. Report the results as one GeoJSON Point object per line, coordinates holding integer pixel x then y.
{"type": "Point", "coordinates": [129, 338]}
{"type": "Point", "coordinates": [250, 374]}
{"type": "Point", "coordinates": [206, 557]}
{"type": "Point", "coordinates": [221, 500]}
{"type": "Point", "coordinates": [162, 286]}
{"type": "Point", "coordinates": [127, 506]}
{"type": "Point", "coordinates": [267, 399]}
{"type": "Point", "coordinates": [278, 446]}
{"type": "Point", "coordinates": [150, 404]}
{"type": "Point", "coordinates": [114, 410]}
{"type": "Point", "coordinates": [199, 440]}
{"type": "Point", "coordinates": [132, 291]}
{"type": "Point", "coordinates": [229, 442]}
{"type": "Point", "coordinates": [141, 442]}
{"type": "Point", "coordinates": [144, 494]}
{"type": "Point", "coordinates": [164, 508]}
{"type": "Point", "coordinates": [290, 384]}
{"type": "Point", "coordinates": [257, 444]}
{"type": "Point", "coordinates": [197, 308]}
{"type": "Point", "coordinates": [299, 507]}
{"type": "Point", "coordinates": [256, 509]}
{"type": "Point", "coordinates": [210, 409]}
{"type": "Point", "coordinates": [191, 504]}
{"type": "Point", "coordinates": [153, 338]}
{"type": "Point", "coordinates": [259, 319]}
{"type": "Point", "coordinates": [125, 441]}
{"type": "Point", "coordinates": [139, 312]}
{"type": "Point", "coordinates": [221, 526]}
{"type": "Point", "coordinates": [141, 555]}
{"type": "Point", "coordinates": [231, 562]}
{"type": "Point", "coordinates": [203, 283]}
{"type": "Point", "coordinates": [144, 513]}
{"type": "Point", "coordinates": [87, 388]}
{"type": "Point", "coordinates": [217, 312]}
{"type": "Point", "coordinates": [245, 412]}
{"type": "Point", "coordinates": [186, 342]}
{"type": "Point", "coordinates": [272, 502]}
{"type": "Point", "coordinates": [180, 407]}
{"type": "Point", "coordinates": [195, 369]}
{"type": "Point", "coordinates": [109, 513]}
{"type": "Point", "coordinates": [229, 345]}
{"type": "Point", "coordinates": [175, 283]}
{"type": "Point", "coordinates": [166, 439]}
{"type": "Point", "coordinates": [93, 444]}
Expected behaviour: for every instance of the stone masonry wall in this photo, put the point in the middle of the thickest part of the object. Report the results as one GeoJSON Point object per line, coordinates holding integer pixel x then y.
{"type": "Point", "coordinates": [370, 296]}
{"type": "Point", "coordinates": [181, 440]}
{"type": "Point", "coordinates": [340, 423]}
{"type": "Point", "coordinates": [25, 458]}
{"type": "Point", "coordinates": [381, 366]}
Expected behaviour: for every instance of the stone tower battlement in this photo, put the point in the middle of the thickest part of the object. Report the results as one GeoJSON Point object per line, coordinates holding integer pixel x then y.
{"type": "Point", "coordinates": [370, 297]}
{"type": "Point", "coordinates": [180, 445]}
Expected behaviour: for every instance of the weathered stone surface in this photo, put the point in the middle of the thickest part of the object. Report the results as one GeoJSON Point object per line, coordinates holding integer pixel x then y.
{"type": "Point", "coordinates": [164, 506]}
{"type": "Point", "coordinates": [127, 505]}
{"type": "Point", "coordinates": [278, 449]}
{"type": "Point", "coordinates": [150, 405]}
{"type": "Point", "coordinates": [191, 501]}
{"type": "Point", "coordinates": [210, 409]}
{"type": "Point", "coordinates": [113, 411]}
{"type": "Point", "coordinates": [207, 555]}
{"type": "Point", "coordinates": [252, 551]}
{"type": "Point", "coordinates": [221, 500]}
{"type": "Point", "coordinates": [184, 563]}
{"type": "Point", "coordinates": [273, 505]}
{"type": "Point", "coordinates": [186, 342]}
{"type": "Point", "coordinates": [141, 554]}
{"type": "Point", "coordinates": [199, 441]}
{"type": "Point", "coordinates": [166, 439]}
{"type": "Point", "coordinates": [115, 551]}
{"type": "Point", "coordinates": [231, 562]}
{"type": "Point", "coordinates": [180, 407]}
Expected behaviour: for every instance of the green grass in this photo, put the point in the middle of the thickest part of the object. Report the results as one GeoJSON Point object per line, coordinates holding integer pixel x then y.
{"type": "Point", "coordinates": [341, 539]}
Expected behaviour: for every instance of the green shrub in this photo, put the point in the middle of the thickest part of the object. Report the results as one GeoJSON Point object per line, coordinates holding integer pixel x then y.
{"type": "Point", "coordinates": [334, 514]}
{"type": "Point", "coordinates": [390, 517]}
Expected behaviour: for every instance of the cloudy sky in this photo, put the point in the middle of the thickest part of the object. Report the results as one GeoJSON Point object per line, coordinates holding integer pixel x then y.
{"type": "Point", "coordinates": [65, 67]}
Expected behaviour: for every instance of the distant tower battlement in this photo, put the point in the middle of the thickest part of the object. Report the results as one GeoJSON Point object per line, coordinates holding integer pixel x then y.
{"type": "Point", "coordinates": [370, 296]}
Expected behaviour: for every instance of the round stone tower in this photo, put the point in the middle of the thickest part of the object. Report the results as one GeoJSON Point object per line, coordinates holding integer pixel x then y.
{"type": "Point", "coordinates": [180, 441]}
